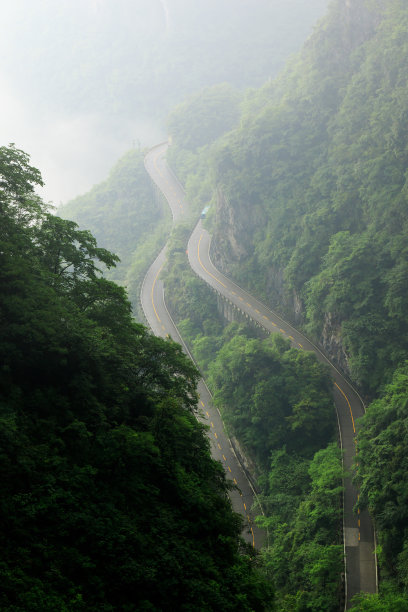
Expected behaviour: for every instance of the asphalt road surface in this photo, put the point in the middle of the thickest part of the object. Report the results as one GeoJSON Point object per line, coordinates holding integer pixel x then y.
{"type": "Point", "coordinates": [360, 565]}
{"type": "Point", "coordinates": [359, 539]}
{"type": "Point", "coordinates": [243, 494]}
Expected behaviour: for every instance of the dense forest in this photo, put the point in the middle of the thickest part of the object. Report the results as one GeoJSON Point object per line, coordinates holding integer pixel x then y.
{"type": "Point", "coordinates": [109, 497]}
{"type": "Point", "coordinates": [311, 189]}
{"type": "Point", "coordinates": [308, 211]}
{"type": "Point", "coordinates": [126, 215]}
{"type": "Point", "coordinates": [276, 403]}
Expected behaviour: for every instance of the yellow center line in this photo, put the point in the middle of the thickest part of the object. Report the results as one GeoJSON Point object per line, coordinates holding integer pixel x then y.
{"type": "Point", "coordinates": [203, 266]}
{"type": "Point", "coordinates": [207, 414]}
{"type": "Point", "coordinates": [282, 330]}
{"type": "Point", "coordinates": [155, 164]}
{"type": "Point", "coordinates": [212, 424]}
{"type": "Point", "coordinates": [219, 445]}
{"type": "Point", "coordinates": [215, 434]}
{"type": "Point", "coordinates": [274, 324]}
{"type": "Point", "coordinates": [256, 310]}
{"type": "Point", "coordinates": [301, 345]}
{"type": "Point", "coordinates": [347, 400]}
{"type": "Point", "coordinates": [245, 505]}
{"type": "Point", "coordinates": [250, 305]}
{"type": "Point", "coordinates": [153, 286]}
{"type": "Point", "coordinates": [291, 337]}
{"type": "Point", "coordinates": [265, 317]}
{"type": "Point", "coordinates": [224, 457]}
{"type": "Point", "coordinates": [253, 538]}
{"type": "Point", "coordinates": [202, 403]}
{"type": "Point", "coordinates": [229, 468]}
{"type": "Point", "coordinates": [235, 481]}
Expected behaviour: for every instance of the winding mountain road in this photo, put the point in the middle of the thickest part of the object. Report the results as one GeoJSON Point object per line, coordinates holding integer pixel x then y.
{"type": "Point", "coordinates": [359, 539]}
{"type": "Point", "coordinates": [161, 323]}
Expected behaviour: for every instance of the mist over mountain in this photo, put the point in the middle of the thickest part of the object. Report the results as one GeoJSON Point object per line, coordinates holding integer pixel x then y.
{"type": "Point", "coordinates": [110, 499]}
{"type": "Point", "coordinates": [84, 80]}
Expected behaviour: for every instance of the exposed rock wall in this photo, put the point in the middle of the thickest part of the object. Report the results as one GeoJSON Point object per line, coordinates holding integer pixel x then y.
{"type": "Point", "coordinates": [231, 245]}
{"type": "Point", "coordinates": [232, 242]}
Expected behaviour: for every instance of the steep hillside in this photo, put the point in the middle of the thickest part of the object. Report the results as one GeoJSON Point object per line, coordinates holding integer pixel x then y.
{"type": "Point", "coordinates": [109, 498]}
{"type": "Point", "coordinates": [311, 193]}
{"type": "Point", "coordinates": [127, 216]}
{"type": "Point", "coordinates": [319, 169]}
{"type": "Point", "coordinates": [310, 213]}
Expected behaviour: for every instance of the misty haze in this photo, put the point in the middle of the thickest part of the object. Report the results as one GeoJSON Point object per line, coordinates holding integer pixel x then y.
{"type": "Point", "coordinates": [204, 342]}
{"type": "Point", "coordinates": [83, 81]}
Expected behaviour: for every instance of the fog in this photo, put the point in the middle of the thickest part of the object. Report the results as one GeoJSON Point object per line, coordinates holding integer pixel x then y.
{"type": "Point", "coordinates": [83, 81]}
{"type": "Point", "coordinates": [73, 151]}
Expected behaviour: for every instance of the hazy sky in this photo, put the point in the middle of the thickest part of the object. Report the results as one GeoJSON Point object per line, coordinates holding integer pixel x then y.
{"type": "Point", "coordinates": [82, 81]}
{"type": "Point", "coordinates": [73, 148]}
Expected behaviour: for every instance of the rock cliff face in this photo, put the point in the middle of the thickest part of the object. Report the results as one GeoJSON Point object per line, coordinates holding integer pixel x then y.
{"type": "Point", "coordinates": [331, 341]}
{"type": "Point", "coordinates": [231, 245]}
{"type": "Point", "coordinates": [271, 170]}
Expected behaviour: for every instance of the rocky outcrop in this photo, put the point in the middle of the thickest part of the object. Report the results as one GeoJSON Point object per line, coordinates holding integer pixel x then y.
{"type": "Point", "coordinates": [331, 342]}
{"type": "Point", "coordinates": [231, 242]}
{"type": "Point", "coordinates": [231, 245]}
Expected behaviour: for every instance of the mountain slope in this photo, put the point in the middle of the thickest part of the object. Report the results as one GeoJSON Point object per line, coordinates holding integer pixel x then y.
{"type": "Point", "coordinates": [312, 188]}
{"type": "Point", "coordinates": [310, 193]}
{"type": "Point", "coordinates": [109, 498]}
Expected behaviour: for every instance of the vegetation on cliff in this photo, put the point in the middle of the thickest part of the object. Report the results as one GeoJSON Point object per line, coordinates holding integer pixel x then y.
{"type": "Point", "coordinates": [311, 185]}
{"type": "Point", "coordinates": [109, 498]}
{"type": "Point", "coordinates": [277, 402]}
{"type": "Point", "coordinates": [383, 476]}
{"type": "Point", "coordinates": [126, 215]}
{"type": "Point", "coordinates": [311, 200]}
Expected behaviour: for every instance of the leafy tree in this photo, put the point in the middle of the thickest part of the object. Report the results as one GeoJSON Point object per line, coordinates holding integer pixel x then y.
{"type": "Point", "coordinates": [127, 216]}
{"type": "Point", "coordinates": [382, 458]}
{"type": "Point", "coordinates": [272, 395]}
{"type": "Point", "coordinates": [312, 185]}
{"type": "Point", "coordinates": [109, 497]}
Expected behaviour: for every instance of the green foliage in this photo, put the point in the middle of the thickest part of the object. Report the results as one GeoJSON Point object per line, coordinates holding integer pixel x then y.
{"type": "Point", "coordinates": [127, 216]}
{"type": "Point", "coordinates": [391, 602]}
{"type": "Point", "coordinates": [382, 474]}
{"type": "Point", "coordinates": [302, 504]}
{"type": "Point", "coordinates": [310, 187]}
{"type": "Point", "coordinates": [109, 498]}
{"type": "Point", "coordinates": [271, 395]}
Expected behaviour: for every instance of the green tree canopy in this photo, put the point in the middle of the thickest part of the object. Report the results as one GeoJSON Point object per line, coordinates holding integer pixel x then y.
{"type": "Point", "coordinates": [109, 497]}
